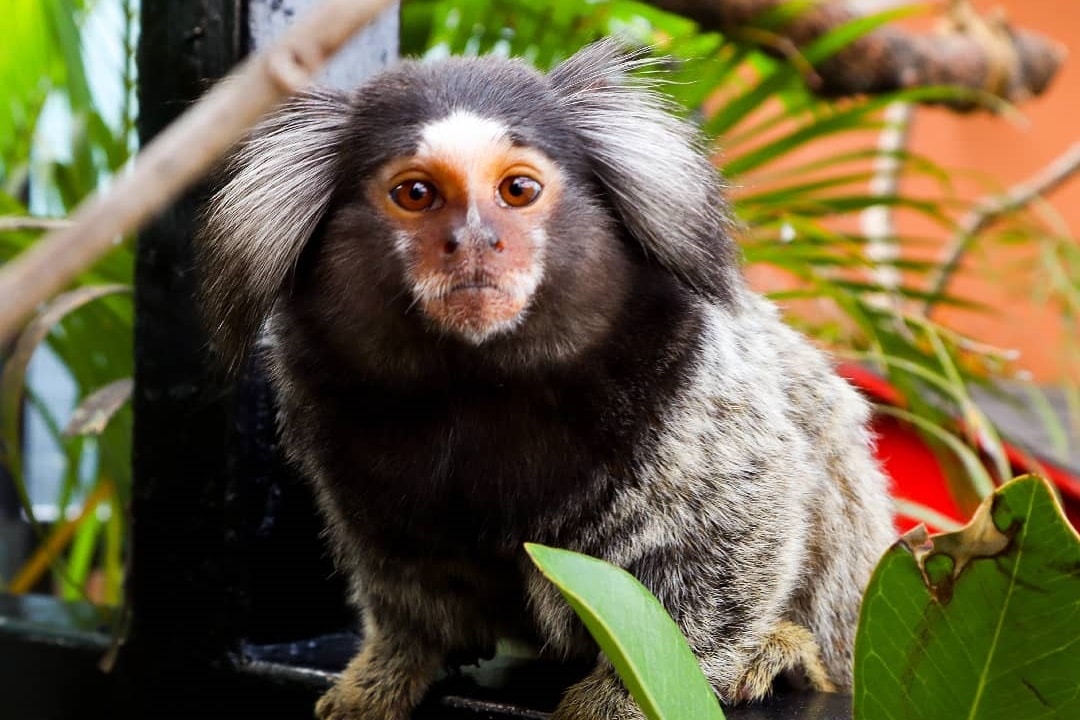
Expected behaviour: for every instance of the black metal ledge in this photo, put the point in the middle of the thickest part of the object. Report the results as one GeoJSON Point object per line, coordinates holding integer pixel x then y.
{"type": "Point", "coordinates": [50, 654]}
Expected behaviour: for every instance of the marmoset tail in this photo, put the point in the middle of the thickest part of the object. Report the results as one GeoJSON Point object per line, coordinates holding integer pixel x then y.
{"type": "Point", "coordinates": [500, 306]}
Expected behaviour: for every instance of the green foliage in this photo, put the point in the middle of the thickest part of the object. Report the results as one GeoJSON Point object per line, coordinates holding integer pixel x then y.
{"type": "Point", "coordinates": [980, 623]}
{"type": "Point", "coordinates": [61, 137]}
{"type": "Point", "coordinates": [636, 634]}
{"type": "Point", "coordinates": [109, 431]}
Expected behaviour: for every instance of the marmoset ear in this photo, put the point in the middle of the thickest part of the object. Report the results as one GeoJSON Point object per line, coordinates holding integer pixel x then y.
{"type": "Point", "coordinates": [653, 164]}
{"type": "Point", "coordinates": [280, 181]}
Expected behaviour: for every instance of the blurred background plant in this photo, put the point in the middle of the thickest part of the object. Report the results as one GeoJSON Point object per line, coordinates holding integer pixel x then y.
{"type": "Point", "coordinates": [816, 189]}
{"type": "Point", "coordinates": [67, 124]}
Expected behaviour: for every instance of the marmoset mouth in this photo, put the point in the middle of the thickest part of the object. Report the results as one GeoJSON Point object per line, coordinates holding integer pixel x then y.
{"type": "Point", "coordinates": [475, 310]}
{"type": "Point", "coordinates": [476, 286]}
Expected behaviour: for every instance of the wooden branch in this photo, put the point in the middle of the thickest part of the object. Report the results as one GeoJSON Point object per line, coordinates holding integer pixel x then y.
{"type": "Point", "coordinates": [990, 209]}
{"type": "Point", "coordinates": [179, 156]}
{"type": "Point", "coordinates": [970, 51]}
{"type": "Point", "coordinates": [16, 223]}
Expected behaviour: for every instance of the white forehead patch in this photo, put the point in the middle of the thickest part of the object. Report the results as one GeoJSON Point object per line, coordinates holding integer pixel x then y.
{"type": "Point", "coordinates": [462, 136]}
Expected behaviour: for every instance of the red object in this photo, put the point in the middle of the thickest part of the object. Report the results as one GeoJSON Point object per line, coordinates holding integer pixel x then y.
{"type": "Point", "coordinates": [914, 470]}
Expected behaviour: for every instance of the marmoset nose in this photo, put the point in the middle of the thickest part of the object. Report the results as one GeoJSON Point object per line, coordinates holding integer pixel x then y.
{"type": "Point", "coordinates": [479, 236]}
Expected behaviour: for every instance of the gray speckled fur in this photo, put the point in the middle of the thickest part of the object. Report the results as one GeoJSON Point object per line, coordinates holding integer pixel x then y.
{"type": "Point", "coordinates": [796, 539]}
{"type": "Point", "coordinates": [746, 497]}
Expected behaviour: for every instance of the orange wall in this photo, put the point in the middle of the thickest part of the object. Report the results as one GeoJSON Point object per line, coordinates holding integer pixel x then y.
{"type": "Point", "coordinates": [1010, 152]}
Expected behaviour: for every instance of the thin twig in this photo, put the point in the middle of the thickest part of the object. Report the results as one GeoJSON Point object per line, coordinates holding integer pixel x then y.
{"type": "Point", "coordinates": [877, 221]}
{"type": "Point", "coordinates": [15, 223]}
{"type": "Point", "coordinates": [988, 210]}
{"type": "Point", "coordinates": [180, 155]}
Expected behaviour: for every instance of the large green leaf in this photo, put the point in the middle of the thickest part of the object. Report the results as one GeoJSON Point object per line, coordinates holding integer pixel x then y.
{"type": "Point", "coordinates": [635, 632]}
{"type": "Point", "coordinates": [981, 624]}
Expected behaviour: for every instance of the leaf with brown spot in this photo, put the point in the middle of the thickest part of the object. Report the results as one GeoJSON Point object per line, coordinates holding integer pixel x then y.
{"type": "Point", "coordinates": [982, 623]}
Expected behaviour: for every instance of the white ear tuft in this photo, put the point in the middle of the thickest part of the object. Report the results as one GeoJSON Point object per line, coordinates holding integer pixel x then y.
{"type": "Point", "coordinates": [653, 164]}
{"type": "Point", "coordinates": [280, 183]}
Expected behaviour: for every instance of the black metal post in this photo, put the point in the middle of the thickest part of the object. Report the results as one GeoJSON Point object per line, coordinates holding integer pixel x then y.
{"type": "Point", "coordinates": [182, 623]}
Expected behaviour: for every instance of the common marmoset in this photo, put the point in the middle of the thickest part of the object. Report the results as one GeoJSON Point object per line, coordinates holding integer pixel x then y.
{"type": "Point", "coordinates": [500, 306]}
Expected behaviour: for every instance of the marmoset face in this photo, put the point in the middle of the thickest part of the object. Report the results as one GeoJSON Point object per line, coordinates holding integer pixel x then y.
{"type": "Point", "coordinates": [468, 208]}
{"type": "Point", "coordinates": [469, 212]}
